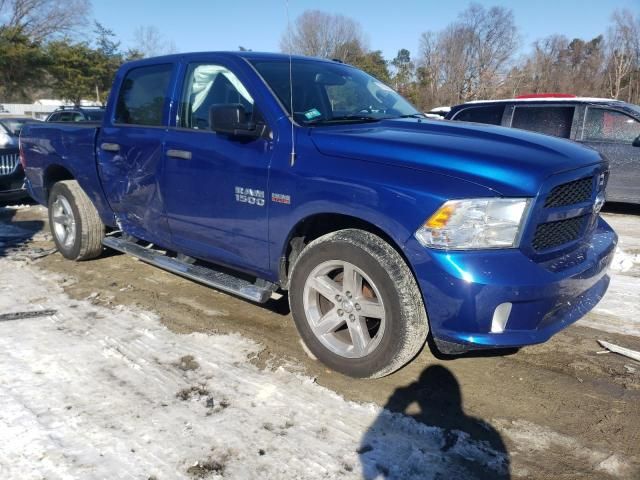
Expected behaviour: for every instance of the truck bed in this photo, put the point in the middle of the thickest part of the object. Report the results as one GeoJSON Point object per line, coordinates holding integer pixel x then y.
{"type": "Point", "coordinates": [56, 151]}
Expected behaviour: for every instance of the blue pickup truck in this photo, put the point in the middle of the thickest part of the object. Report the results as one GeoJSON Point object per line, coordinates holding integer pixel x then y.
{"type": "Point", "coordinates": [259, 173]}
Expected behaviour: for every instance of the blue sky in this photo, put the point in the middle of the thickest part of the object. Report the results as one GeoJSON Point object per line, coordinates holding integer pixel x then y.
{"type": "Point", "coordinates": [196, 25]}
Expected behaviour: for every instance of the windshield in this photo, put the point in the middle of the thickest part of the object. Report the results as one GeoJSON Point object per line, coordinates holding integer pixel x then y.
{"type": "Point", "coordinates": [326, 92]}
{"type": "Point", "coordinates": [13, 125]}
{"type": "Point", "coordinates": [94, 115]}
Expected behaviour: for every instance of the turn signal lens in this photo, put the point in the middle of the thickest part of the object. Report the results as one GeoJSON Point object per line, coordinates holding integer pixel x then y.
{"type": "Point", "coordinates": [441, 217]}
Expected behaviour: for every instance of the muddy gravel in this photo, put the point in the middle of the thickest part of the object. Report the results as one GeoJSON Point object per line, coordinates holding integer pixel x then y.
{"type": "Point", "coordinates": [589, 399]}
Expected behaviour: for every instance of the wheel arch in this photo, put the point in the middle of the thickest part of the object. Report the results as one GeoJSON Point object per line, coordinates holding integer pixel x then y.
{"type": "Point", "coordinates": [53, 174]}
{"type": "Point", "coordinates": [316, 225]}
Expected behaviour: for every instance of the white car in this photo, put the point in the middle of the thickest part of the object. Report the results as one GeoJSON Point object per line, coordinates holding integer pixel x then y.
{"type": "Point", "coordinates": [438, 113]}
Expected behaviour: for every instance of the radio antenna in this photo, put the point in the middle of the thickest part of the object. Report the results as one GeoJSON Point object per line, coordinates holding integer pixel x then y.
{"type": "Point", "coordinates": [293, 135]}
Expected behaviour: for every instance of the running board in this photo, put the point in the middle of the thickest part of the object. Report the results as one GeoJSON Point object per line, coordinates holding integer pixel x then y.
{"type": "Point", "coordinates": [208, 276]}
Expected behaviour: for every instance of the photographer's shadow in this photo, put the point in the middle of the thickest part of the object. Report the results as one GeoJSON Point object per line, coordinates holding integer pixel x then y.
{"type": "Point", "coordinates": [445, 443]}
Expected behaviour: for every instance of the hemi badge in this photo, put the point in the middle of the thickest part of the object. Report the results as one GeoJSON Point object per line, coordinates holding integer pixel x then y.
{"type": "Point", "coordinates": [281, 198]}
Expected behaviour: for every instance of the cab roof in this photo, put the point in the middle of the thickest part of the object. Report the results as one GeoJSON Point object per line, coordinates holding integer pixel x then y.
{"type": "Point", "coordinates": [251, 56]}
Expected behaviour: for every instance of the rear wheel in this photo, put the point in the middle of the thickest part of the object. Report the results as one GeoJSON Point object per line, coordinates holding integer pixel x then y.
{"type": "Point", "coordinates": [75, 224]}
{"type": "Point", "coordinates": [356, 304]}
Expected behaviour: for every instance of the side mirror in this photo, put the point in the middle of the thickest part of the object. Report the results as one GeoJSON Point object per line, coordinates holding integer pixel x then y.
{"type": "Point", "coordinates": [636, 142]}
{"type": "Point", "coordinates": [230, 119]}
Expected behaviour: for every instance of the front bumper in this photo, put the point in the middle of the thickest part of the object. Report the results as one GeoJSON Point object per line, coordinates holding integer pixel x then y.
{"type": "Point", "coordinates": [461, 291]}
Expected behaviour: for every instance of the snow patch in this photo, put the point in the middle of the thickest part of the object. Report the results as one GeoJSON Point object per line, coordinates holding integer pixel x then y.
{"type": "Point", "coordinates": [623, 262]}
{"type": "Point", "coordinates": [530, 437]}
{"type": "Point", "coordinates": [92, 393]}
{"type": "Point", "coordinates": [21, 206]}
{"type": "Point", "coordinates": [619, 310]}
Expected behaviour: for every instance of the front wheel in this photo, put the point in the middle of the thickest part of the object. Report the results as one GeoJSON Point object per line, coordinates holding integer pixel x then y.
{"type": "Point", "coordinates": [356, 304]}
{"type": "Point", "coordinates": [76, 227]}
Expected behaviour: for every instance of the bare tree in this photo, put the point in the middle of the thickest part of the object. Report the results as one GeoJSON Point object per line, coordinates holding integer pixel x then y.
{"type": "Point", "coordinates": [471, 57]}
{"type": "Point", "coordinates": [494, 38]}
{"type": "Point", "coordinates": [623, 50]}
{"type": "Point", "coordinates": [559, 65]}
{"type": "Point", "coordinates": [41, 20]}
{"type": "Point", "coordinates": [546, 65]}
{"type": "Point", "coordinates": [321, 34]}
{"type": "Point", "coordinates": [428, 70]}
{"type": "Point", "coordinates": [149, 42]}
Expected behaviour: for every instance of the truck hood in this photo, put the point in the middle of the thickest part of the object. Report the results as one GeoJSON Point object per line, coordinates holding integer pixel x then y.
{"type": "Point", "coordinates": [512, 162]}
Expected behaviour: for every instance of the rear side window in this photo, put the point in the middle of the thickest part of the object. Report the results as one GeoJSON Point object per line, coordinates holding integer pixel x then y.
{"type": "Point", "coordinates": [142, 95]}
{"type": "Point", "coordinates": [602, 125]}
{"type": "Point", "coordinates": [67, 117]}
{"type": "Point", "coordinates": [94, 116]}
{"type": "Point", "coordinates": [491, 114]}
{"type": "Point", "coordinates": [554, 121]}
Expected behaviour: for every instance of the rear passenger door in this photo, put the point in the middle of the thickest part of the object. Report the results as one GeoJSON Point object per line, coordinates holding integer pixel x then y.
{"type": "Point", "coordinates": [612, 133]}
{"type": "Point", "coordinates": [130, 151]}
{"type": "Point", "coordinates": [556, 120]}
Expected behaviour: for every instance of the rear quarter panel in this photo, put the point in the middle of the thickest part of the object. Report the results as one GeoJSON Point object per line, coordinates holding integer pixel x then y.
{"type": "Point", "coordinates": [49, 147]}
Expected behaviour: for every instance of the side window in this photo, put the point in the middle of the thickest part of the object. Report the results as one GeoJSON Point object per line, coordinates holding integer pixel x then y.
{"type": "Point", "coordinates": [65, 117]}
{"type": "Point", "coordinates": [554, 121]}
{"type": "Point", "coordinates": [142, 95]}
{"type": "Point", "coordinates": [55, 117]}
{"type": "Point", "coordinates": [207, 85]}
{"type": "Point", "coordinates": [77, 117]}
{"type": "Point", "coordinates": [491, 114]}
{"type": "Point", "coordinates": [602, 125]}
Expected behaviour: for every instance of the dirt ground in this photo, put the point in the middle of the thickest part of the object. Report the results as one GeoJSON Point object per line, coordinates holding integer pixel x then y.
{"type": "Point", "coordinates": [590, 401]}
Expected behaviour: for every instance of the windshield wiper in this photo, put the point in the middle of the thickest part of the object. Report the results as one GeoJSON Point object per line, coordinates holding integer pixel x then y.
{"type": "Point", "coordinates": [345, 118]}
{"type": "Point", "coordinates": [412, 115]}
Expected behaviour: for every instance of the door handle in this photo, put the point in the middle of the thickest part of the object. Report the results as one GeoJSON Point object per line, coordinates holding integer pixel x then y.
{"type": "Point", "coordinates": [179, 154]}
{"type": "Point", "coordinates": [110, 147]}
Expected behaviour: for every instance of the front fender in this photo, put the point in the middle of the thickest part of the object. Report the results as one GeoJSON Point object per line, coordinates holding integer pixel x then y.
{"type": "Point", "coordinates": [394, 199]}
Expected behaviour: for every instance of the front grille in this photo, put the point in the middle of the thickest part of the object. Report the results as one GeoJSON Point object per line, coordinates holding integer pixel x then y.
{"type": "Point", "coordinates": [553, 234]}
{"type": "Point", "coordinates": [570, 193]}
{"type": "Point", "coordinates": [8, 163]}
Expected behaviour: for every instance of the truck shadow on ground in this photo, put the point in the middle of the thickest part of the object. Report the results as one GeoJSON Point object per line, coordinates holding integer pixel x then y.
{"type": "Point", "coordinates": [445, 443]}
{"type": "Point", "coordinates": [15, 234]}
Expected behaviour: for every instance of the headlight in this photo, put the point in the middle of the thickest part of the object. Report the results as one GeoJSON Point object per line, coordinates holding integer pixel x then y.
{"type": "Point", "coordinates": [475, 223]}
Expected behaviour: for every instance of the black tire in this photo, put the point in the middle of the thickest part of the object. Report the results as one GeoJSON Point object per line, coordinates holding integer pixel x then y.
{"type": "Point", "coordinates": [406, 323]}
{"type": "Point", "coordinates": [85, 242]}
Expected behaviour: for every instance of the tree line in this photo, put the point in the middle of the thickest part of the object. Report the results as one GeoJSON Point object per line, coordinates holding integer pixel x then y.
{"type": "Point", "coordinates": [478, 56]}
{"type": "Point", "coordinates": [47, 50]}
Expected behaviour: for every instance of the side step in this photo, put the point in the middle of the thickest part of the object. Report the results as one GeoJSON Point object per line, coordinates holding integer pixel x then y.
{"type": "Point", "coordinates": [208, 276]}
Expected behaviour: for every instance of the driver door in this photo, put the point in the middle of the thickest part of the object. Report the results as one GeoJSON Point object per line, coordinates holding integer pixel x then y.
{"type": "Point", "coordinates": [216, 185]}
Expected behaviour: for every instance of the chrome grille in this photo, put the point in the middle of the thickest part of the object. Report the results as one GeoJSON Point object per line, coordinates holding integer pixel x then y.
{"type": "Point", "coordinates": [553, 234]}
{"type": "Point", "coordinates": [8, 163]}
{"type": "Point", "coordinates": [570, 193]}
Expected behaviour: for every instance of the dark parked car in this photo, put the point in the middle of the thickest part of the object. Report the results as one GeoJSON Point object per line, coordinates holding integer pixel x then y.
{"type": "Point", "coordinates": [10, 128]}
{"type": "Point", "coordinates": [611, 127]}
{"type": "Point", "coordinates": [77, 114]}
{"type": "Point", "coordinates": [11, 174]}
